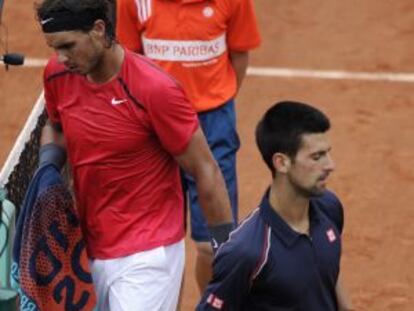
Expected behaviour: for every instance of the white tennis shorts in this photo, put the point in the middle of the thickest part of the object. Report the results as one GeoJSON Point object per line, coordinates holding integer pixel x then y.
{"type": "Point", "coordinates": [145, 281]}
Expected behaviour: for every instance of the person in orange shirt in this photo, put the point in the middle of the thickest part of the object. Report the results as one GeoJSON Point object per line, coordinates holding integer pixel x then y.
{"type": "Point", "coordinates": [205, 45]}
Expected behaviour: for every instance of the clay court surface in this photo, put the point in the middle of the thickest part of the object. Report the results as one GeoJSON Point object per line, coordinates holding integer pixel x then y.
{"type": "Point", "coordinates": [373, 124]}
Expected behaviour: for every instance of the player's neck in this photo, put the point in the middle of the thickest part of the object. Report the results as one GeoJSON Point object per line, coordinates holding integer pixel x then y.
{"type": "Point", "coordinates": [109, 65]}
{"type": "Point", "coordinates": [294, 209]}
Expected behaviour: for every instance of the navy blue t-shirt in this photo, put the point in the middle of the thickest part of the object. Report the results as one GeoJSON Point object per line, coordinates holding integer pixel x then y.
{"type": "Point", "coordinates": [266, 265]}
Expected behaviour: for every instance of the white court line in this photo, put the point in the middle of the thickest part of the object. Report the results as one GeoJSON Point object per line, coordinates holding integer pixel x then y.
{"type": "Point", "coordinates": [299, 73]}
{"type": "Point", "coordinates": [330, 74]}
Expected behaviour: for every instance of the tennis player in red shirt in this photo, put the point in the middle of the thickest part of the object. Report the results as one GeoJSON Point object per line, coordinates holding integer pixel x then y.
{"type": "Point", "coordinates": [128, 127]}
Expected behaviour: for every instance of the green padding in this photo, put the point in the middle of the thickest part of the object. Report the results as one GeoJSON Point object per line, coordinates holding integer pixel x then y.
{"type": "Point", "coordinates": [7, 226]}
{"type": "Point", "coordinates": [8, 299]}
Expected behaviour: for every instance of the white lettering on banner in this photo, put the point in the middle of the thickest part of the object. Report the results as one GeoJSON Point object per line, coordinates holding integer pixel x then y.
{"type": "Point", "coordinates": [184, 51]}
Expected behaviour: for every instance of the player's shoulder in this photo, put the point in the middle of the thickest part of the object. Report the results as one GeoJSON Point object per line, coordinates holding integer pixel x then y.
{"type": "Point", "coordinates": [127, 2]}
{"type": "Point", "coordinates": [329, 198]}
{"type": "Point", "coordinates": [233, 5]}
{"type": "Point", "coordinates": [330, 205]}
{"type": "Point", "coordinates": [133, 5]}
{"type": "Point", "coordinates": [146, 73]}
{"type": "Point", "coordinates": [54, 69]}
{"type": "Point", "coordinates": [247, 242]}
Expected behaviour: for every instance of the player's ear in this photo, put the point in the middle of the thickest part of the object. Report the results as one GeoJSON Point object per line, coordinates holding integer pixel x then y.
{"type": "Point", "coordinates": [281, 163]}
{"type": "Point", "coordinates": [98, 29]}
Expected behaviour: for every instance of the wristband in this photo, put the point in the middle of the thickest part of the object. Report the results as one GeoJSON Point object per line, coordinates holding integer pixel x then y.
{"type": "Point", "coordinates": [219, 234]}
{"type": "Point", "coordinates": [53, 154]}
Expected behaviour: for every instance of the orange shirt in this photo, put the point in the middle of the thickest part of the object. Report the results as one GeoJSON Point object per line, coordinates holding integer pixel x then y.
{"type": "Point", "coordinates": [191, 39]}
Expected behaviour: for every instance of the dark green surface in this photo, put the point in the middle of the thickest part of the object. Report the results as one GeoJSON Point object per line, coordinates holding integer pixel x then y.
{"type": "Point", "coordinates": [8, 299]}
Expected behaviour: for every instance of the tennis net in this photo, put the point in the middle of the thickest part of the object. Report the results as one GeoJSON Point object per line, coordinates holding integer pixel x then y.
{"type": "Point", "coordinates": [22, 160]}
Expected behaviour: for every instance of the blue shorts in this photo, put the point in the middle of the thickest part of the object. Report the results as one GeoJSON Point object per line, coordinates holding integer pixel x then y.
{"type": "Point", "coordinates": [219, 127]}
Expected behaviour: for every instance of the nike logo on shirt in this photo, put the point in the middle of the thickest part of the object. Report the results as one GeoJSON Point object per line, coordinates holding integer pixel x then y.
{"type": "Point", "coordinates": [117, 101]}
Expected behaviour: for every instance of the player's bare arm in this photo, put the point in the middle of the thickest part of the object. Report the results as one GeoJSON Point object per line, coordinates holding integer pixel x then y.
{"type": "Point", "coordinates": [52, 133]}
{"type": "Point", "coordinates": [239, 61]}
{"type": "Point", "coordinates": [198, 161]}
{"type": "Point", "coordinates": [52, 144]}
{"type": "Point", "coordinates": [344, 301]}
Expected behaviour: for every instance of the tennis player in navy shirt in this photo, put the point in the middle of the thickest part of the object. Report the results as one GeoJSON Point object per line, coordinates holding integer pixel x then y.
{"type": "Point", "coordinates": [286, 254]}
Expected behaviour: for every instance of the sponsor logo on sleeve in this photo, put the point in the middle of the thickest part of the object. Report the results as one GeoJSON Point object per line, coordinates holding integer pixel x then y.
{"type": "Point", "coordinates": [215, 302]}
{"type": "Point", "coordinates": [331, 235]}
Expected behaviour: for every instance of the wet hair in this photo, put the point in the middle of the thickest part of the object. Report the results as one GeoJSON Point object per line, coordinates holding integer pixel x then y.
{"type": "Point", "coordinates": [79, 15]}
{"type": "Point", "coordinates": [282, 127]}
